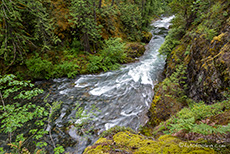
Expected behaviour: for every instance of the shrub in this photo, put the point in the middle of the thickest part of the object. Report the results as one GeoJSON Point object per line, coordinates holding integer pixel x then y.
{"type": "Point", "coordinates": [66, 68]}
{"type": "Point", "coordinates": [109, 58]}
{"type": "Point", "coordinates": [39, 68]}
{"type": "Point", "coordinates": [171, 40]}
{"type": "Point", "coordinates": [16, 115]}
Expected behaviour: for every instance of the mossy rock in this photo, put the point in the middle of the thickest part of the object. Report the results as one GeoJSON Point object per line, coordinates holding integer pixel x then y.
{"type": "Point", "coordinates": [146, 37]}
{"type": "Point", "coordinates": [127, 142]}
{"type": "Point", "coordinates": [164, 105]}
{"type": "Point", "coordinates": [135, 49]}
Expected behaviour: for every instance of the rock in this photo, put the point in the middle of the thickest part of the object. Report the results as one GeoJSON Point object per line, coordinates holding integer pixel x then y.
{"type": "Point", "coordinates": [146, 37]}
{"type": "Point", "coordinates": [134, 49]}
{"type": "Point", "coordinates": [127, 142]}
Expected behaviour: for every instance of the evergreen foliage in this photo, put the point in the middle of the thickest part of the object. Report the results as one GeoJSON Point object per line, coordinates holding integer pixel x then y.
{"type": "Point", "coordinates": [84, 22]}
{"type": "Point", "coordinates": [39, 32]}
{"type": "Point", "coordinates": [24, 25]}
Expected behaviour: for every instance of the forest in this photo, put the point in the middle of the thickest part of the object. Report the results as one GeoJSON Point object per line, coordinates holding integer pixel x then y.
{"type": "Point", "coordinates": [44, 40]}
{"type": "Point", "coordinates": [56, 38]}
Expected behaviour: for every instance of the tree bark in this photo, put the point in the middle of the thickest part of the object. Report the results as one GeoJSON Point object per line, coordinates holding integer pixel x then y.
{"type": "Point", "coordinates": [94, 11]}
{"type": "Point", "coordinates": [112, 3]}
{"type": "Point", "coordinates": [86, 42]}
{"type": "Point", "coordinates": [99, 6]}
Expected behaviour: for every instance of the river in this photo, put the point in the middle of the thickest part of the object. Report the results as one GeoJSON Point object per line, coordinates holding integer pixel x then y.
{"type": "Point", "coordinates": [115, 98]}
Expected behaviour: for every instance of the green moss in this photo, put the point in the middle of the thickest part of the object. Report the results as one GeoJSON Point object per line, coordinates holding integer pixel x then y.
{"type": "Point", "coordinates": [146, 37]}
{"type": "Point", "coordinates": [115, 130]}
{"type": "Point", "coordinates": [137, 144]}
{"type": "Point", "coordinates": [128, 139]}
{"type": "Point", "coordinates": [134, 49]}
{"type": "Point", "coordinates": [103, 140]}
{"type": "Point", "coordinates": [99, 149]}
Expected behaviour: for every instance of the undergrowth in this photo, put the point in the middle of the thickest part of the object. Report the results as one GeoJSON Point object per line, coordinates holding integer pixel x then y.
{"type": "Point", "coordinates": [195, 118]}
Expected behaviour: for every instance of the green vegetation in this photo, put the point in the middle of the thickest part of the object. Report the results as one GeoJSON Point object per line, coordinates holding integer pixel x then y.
{"type": "Point", "coordinates": [50, 39]}
{"type": "Point", "coordinates": [19, 114]}
{"type": "Point", "coordinates": [171, 40]}
{"type": "Point", "coordinates": [55, 38]}
{"type": "Point", "coordinates": [109, 57]}
{"type": "Point", "coordinates": [127, 142]}
{"type": "Point", "coordinates": [187, 119]}
{"type": "Point", "coordinates": [16, 115]}
{"type": "Point", "coordinates": [192, 102]}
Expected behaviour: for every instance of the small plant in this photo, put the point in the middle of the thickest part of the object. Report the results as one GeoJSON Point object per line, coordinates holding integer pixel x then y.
{"type": "Point", "coordinates": [225, 13]}
{"type": "Point", "coordinates": [59, 149]}
{"type": "Point", "coordinates": [66, 68]}
{"type": "Point", "coordinates": [171, 40]}
{"type": "Point", "coordinates": [39, 68]}
{"type": "Point", "coordinates": [187, 119]}
{"type": "Point", "coordinates": [82, 119]}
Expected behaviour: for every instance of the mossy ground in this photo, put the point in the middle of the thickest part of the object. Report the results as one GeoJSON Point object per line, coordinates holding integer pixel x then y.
{"type": "Point", "coordinates": [127, 142]}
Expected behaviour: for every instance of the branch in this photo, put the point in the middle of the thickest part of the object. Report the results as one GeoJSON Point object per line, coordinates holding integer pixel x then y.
{"type": "Point", "coordinates": [51, 110]}
{"type": "Point", "coordinates": [5, 13]}
{"type": "Point", "coordinates": [14, 57]}
{"type": "Point", "coordinates": [2, 100]}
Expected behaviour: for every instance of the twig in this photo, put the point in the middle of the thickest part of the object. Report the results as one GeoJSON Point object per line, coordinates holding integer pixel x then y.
{"type": "Point", "coordinates": [5, 13]}
{"type": "Point", "coordinates": [51, 110]}
{"type": "Point", "coordinates": [14, 57]}
{"type": "Point", "coordinates": [5, 5]}
{"type": "Point", "coordinates": [2, 101]}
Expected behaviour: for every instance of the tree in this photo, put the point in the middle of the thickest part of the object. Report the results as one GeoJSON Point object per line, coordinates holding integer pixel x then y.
{"type": "Point", "coordinates": [184, 9]}
{"type": "Point", "coordinates": [82, 14]}
{"type": "Point", "coordinates": [99, 6]}
{"type": "Point", "coordinates": [22, 23]}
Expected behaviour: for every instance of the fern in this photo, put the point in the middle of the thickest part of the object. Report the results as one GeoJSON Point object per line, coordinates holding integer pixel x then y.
{"type": "Point", "coordinates": [187, 117]}
{"type": "Point", "coordinates": [110, 56]}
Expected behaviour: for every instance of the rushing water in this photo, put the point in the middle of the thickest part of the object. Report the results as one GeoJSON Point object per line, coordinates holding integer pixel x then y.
{"type": "Point", "coordinates": [123, 96]}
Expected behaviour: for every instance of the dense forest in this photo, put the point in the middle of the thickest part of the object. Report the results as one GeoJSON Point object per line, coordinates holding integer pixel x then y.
{"type": "Point", "coordinates": [55, 38]}
{"type": "Point", "coordinates": [40, 40]}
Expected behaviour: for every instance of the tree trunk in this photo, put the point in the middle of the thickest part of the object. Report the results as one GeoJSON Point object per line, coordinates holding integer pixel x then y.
{"type": "Point", "coordinates": [86, 42]}
{"type": "Point", "coordinates": [112, 2]}
{"type": "Point", "coordinates": [94, 11]}
{"type": "Point", "coordinates": [99, 4]}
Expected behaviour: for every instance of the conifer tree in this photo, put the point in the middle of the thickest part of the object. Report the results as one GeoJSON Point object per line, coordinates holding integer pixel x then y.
{"type": "Point", "coordinates": [82, 14]}
{"type": "Point", "coordinates": [22, 23]}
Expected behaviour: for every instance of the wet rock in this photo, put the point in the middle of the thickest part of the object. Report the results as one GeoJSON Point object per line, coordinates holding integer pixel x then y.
{"type": "Point", "coordinates": [134, 49]}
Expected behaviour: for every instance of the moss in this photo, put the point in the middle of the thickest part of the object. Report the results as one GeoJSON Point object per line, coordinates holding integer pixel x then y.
{"type": "Point", "coordinates": [168, 138]}
{"type": "Point", "coordinates": [146, 37]}
{"type": "Point", "coordinates": [134, 49]}
{"type": "Point", "coordinates": [128, 139]}
{"type": "Point", "coordinates": [218, 38]}
{"type": "Point", "coordinates": [99, 149]}
{"type": "Point", "coordinates": [115, 130]}
{"type": "Point", "coordinates": [103, 140]}
{"type": "Point", "coordinates": [137, 144]}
